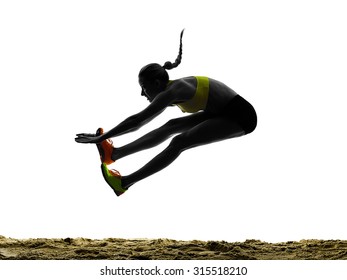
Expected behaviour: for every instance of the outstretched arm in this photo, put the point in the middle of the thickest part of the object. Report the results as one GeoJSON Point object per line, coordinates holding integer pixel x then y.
{"type": "Point", "coordinates": [134, 122]}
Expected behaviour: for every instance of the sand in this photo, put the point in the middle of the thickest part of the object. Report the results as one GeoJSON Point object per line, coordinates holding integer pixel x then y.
{"type": "Point", "coordinates": [167, 249]}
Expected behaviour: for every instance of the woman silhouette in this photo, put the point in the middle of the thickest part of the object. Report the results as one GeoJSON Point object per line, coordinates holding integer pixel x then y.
{"type": "Point", "coordinates": [216, 113]}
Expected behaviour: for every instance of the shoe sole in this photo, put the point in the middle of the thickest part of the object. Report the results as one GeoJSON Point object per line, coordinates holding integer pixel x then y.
{"type": "Point", "coordinates": [104, 174]}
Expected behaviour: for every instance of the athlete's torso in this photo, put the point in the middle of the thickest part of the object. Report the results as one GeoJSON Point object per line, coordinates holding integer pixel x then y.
{"type": "Point", "coordinates": [211, 99]}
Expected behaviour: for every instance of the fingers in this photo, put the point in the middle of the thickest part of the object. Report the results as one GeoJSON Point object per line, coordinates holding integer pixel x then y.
{"type": "Point", "coordinates": [82, 140]}
{"type": "Point", "coordinates": [85, 138]}
{"type": "Point", "coordinates": [86, 135]}
{"type": "Point", "coordinates": [91, 138]}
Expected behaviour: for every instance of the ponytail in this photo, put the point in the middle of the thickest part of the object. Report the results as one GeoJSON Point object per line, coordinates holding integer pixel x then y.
{"type": "Point", "coordinates": [169, 65]}
{"type": "Point", "coordinates": [156, 71]}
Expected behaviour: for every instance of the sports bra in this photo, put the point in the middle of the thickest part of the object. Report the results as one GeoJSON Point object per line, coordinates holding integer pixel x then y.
{"type": "Point", "coordinates": [199, 100]}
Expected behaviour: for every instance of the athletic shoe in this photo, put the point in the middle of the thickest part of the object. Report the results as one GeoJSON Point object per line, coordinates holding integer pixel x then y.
{"type": "Point", "coordinates": [113, 179]}
{"type": "Point", "coordinates": [105, 148]}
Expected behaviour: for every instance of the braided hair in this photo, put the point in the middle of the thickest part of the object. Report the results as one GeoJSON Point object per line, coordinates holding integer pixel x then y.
{"type": "Point", "coordinates": [168, 65]}
{"type": "Point", "coordinates": [155, 71]}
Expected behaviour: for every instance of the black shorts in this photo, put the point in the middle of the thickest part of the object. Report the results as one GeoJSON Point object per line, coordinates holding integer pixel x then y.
{"type": "Point", "coordinates": [241, 111]}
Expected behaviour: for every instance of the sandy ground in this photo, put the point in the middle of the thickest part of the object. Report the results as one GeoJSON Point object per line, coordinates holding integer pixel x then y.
{"type": "Point", "coordinates": [166, 249]}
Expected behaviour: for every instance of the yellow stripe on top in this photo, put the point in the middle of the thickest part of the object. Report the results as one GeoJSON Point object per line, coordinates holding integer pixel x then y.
{"type": "Point", "coordinates": [199, 100]}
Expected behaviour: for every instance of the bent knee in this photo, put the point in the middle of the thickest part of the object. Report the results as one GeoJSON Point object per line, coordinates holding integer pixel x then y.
{"type": "Point", "coordinates": [180, 143]}
{"type": "Point", "coordinates": [177, 142]}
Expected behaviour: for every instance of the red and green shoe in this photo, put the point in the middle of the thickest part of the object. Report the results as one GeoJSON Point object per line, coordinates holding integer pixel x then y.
{"type": "Point", "coordinates": [113, 179]}
{"type": "Point", "coordinates": [105, 148]}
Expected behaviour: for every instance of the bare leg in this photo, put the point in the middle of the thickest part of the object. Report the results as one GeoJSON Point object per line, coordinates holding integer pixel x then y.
{"type": "Point", "coordinates": [208, 131]}
{"type": "Point", "coordinates": [159, 135]}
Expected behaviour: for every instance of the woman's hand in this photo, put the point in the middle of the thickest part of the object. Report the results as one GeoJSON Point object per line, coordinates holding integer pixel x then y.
{"type": "Point", "coordinates": [90, 138]}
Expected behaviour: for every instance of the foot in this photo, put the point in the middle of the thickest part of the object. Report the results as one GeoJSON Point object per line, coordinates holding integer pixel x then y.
{"type": "Point", "coordinates": [105, 149]}
{"type": "Point", "coordinates": [113, 179]}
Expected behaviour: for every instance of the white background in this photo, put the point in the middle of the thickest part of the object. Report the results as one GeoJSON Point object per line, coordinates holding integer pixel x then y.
{"type": "Point", "coordinates": [71, 66]}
